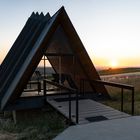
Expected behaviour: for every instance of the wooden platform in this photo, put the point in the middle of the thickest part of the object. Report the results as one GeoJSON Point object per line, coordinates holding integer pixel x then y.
{"type": "Point", "coordinates": [89, 110]}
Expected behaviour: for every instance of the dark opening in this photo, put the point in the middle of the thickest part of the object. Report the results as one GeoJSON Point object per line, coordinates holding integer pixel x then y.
{"type": "Point", "coordinates": [96, 118]}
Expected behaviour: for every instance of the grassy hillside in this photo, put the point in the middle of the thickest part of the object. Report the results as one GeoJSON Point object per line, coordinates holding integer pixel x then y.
{"type": "Point", "coordinates": [118, 71]}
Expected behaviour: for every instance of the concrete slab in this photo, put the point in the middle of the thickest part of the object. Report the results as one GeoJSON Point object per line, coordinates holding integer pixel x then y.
{"type": "Point", "coordinates": [118, 129]}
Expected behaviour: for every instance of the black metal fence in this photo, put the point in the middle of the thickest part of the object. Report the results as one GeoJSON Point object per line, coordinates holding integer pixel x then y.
{"type": "Point", "coordinates": [121, 86]}
{"type": "Point", "coordinates": [71, 91]}
{"type": "Point", "coordinates": [37, 86]}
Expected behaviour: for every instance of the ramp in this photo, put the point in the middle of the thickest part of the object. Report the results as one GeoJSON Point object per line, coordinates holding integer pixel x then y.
{"type": "Point", "coordinates": [89, 110]}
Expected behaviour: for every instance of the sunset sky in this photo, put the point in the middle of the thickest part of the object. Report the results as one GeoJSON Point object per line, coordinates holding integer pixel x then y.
{"type": "Point", "coordinates": [109, 29]}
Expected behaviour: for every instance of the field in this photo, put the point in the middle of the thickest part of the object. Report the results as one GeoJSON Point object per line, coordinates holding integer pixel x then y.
{"type": "Point", "coordinates": [130, 78]}
{"type": "Point", "coordinates": [118, 71]}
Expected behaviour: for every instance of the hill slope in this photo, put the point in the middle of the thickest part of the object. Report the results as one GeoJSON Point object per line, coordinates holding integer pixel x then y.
{"type": "Point", "coordinates": [118, 71]}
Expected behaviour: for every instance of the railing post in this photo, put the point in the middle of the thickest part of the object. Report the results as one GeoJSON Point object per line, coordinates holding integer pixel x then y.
{"type": "Point", "coordinates": [122, 86]}
{"type": "Point", "coordinates": [44, 89]}
{"type": "Point", "coordinates": [77, 107]}
{"type": "Point", "coordinates": [80, 85]}
{"type": "Point", "coordinates": [30, 85]}
{"type": "Point", "coordinates": [122, 99]}
{"type": "Point", "coordinates": [69, 107]}
{"type": "Point", "coordinates": [83, 86]}
{"type": "Point", "coordinates": [132, 101]}
{"type": "Point", "coordinates": [39, 87]}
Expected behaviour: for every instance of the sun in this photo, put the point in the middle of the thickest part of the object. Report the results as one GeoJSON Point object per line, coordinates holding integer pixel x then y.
{"type": "Point", "coordinates": [113, 63]}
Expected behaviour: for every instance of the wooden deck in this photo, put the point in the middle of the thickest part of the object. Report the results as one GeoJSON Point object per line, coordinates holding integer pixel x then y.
{"type": "Point", "coordinates": [89, 110]}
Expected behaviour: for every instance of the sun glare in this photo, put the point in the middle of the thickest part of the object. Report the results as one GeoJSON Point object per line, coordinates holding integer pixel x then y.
{"type": "Point", "coordinates": [114, 64]}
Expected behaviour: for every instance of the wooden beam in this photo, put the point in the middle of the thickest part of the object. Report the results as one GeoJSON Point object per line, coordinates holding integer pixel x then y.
{"type": "Point", "coordinates": [59, 54]}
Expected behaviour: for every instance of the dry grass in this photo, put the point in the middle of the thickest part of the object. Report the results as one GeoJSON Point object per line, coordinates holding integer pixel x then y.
{"type": "Point", "coordinates": [33, 125]}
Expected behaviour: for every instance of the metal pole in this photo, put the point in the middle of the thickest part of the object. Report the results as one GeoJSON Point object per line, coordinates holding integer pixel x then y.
{"type": "Point", "coordinates": [44, 67]}
{"type": "Point", "coordinates": [133, 101]}
{"type": "Point", "coordinates": [69, 107]}
{"type": "Point", "coordinates": [39, 86]}
{"type": "Point", "coordinates": [83, 87]}
{"type": "Point", "coordinates": [80, 86]}
{"type": "Point", "coordinates": [60, 70]}
{"type": "Point", "coordinates": [77, 107]}
{"type": "Point", "coordinates": [122, 99]}
{"type": "Point", "coordinates": [74, 66]}
{"type": "Point", "coordinates": [44, 90]}
{"type": "Point", "coordinates": [30, 85]}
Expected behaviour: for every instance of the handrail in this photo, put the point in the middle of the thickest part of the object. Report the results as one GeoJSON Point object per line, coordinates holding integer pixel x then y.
{"type": "Point", "coordinates": [37, 89]}
{"type": "Point", "coordinates": [60, 85]}
{"type": "Point", "coordinates": [72, 90]}
{"type": "Point", "coordinates": [122, 86]}
{"type": "Point", "coordinates": [129, 87]}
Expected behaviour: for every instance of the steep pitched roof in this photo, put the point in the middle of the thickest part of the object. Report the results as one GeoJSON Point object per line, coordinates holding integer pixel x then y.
{"type": "Point", "coordinates": [28, 49]}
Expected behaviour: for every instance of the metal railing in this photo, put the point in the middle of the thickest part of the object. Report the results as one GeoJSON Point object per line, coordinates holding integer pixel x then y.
{"type": "Point", "coordinates": [118, 85]}
{"type": "Point", "coordinates": [71, 90]}
{"type": "Point", "coordinates": [30, 89]}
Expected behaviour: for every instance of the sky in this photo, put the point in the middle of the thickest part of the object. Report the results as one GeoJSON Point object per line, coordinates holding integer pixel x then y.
{"type": "Point", "coordinates": [109, 29]}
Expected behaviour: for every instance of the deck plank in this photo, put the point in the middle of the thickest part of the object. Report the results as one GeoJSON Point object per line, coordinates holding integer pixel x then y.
{"type": "Point", "coordinates": [87, 108]}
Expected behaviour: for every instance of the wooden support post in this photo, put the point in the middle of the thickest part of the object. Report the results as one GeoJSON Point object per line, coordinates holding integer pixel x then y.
{"type": "Point", "coordinates": [14, 116]}
{"type": "Point", "coordinates": [4, 114]}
